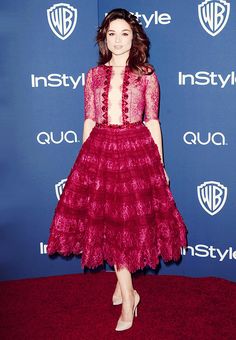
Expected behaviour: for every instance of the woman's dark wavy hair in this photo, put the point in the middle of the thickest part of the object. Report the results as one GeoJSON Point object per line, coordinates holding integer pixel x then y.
{"type": "Point", "coordinates": [139, 52]}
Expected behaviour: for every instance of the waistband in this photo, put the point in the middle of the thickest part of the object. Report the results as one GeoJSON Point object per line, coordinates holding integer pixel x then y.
{"type": "Point", "coordinates": [119, 126]}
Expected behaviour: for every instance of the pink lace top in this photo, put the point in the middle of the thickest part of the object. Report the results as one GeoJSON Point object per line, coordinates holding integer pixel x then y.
{"type": "Point", "coordinates": [139, 98]}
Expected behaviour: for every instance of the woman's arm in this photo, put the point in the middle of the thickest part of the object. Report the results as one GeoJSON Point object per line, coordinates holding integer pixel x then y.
{"type": "Point", "coordinates": [155, 129]}
{"type": "Point", "coordinates": [88, 126]}
{"type": "Point", "coordinates": [89, 106]}
{"type": "Point", "coordinates": [151, 117]}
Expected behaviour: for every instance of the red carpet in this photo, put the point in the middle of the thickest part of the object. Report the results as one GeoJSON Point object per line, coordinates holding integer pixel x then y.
{"type": "Point", "coordinates": [79, 307]}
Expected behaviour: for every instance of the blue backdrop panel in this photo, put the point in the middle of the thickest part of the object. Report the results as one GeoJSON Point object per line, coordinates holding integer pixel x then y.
{"type": "Point", "coordinates": [43, 70]}
{"type": "Point", "coordinates": [40, 103]}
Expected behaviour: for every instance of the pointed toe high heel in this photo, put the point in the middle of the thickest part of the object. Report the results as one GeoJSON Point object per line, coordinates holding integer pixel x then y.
{"type": "Point", "coordinates": [116, 300]}
{"type": "Point", "coordinates": [123, 325]}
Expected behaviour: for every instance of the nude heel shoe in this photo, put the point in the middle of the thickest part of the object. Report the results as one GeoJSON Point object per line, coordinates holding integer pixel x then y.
{"type": "Point", "coordinates": [123, 325]}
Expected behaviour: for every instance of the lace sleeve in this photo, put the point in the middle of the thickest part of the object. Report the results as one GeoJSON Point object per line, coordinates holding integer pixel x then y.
{"type": "Point", "coordinates": [89, 107]}
{"type": "Point", "coordinates": [151, 98]}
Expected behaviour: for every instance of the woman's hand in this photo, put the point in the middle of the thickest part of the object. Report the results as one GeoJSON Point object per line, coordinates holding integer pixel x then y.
{"type": "Point", "coordinates": [167, 178]}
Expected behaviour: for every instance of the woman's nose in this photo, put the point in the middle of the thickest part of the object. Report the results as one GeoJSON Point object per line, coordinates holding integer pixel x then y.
{"type": "Point", "coordinates": [118, 38]}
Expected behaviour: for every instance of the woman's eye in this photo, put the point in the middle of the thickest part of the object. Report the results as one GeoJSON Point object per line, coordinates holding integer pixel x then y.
{"type": "Point", "coordinates": [124, 34]}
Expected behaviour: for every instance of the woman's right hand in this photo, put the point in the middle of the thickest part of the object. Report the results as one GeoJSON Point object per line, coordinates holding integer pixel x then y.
{"type": "Point", "coordinates": [167, 177]}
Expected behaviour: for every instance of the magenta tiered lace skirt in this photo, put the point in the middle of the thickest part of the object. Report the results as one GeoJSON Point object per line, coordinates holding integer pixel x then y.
{"type": "Point", "coordinates": [116, 205]}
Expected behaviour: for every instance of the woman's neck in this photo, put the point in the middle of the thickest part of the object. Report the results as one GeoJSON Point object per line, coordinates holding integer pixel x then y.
{"type": "Point", "coordinates": [118, 60]}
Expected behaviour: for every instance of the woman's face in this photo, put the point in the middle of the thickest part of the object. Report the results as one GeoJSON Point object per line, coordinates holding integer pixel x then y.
{"type": "Point", "coordinates": [119, 36]}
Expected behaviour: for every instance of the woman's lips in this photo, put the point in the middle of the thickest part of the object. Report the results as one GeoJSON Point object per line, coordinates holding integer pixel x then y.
{"type": "Point", "coordinates": [118, 47]}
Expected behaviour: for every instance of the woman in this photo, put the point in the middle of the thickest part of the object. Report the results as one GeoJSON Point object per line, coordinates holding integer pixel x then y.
{"type": "Point", "coordinates": [116, 204]}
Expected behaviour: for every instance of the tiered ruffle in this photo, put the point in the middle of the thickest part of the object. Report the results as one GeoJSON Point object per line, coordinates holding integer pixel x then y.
{"type": "Point", "coordinates": [116, 204]}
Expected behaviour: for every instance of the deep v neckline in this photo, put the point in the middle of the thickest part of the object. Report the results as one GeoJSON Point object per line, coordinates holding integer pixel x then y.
{"type": "Point", "coordinates": [124, 92]}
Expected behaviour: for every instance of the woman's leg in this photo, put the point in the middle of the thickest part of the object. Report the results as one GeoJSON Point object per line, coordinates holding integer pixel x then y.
{"type": "Point", "coordinates": [127, 292]}
{"type": "Point", "coordinates": [117, 291]}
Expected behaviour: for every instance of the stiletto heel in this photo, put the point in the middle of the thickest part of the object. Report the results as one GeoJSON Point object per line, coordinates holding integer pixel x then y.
{"type": "Point", "coordinates": [123, 325]}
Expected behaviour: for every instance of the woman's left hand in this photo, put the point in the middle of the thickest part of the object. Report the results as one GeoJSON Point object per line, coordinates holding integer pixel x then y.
{"type": "Point", "coordinates": [167, 178]}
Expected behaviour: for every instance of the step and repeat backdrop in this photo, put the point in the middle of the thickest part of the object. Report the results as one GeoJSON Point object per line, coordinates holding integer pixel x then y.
{"type": "Point", "coordinates": [47, 48]}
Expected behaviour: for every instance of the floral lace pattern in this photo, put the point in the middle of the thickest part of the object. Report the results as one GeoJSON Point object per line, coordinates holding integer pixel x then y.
{"type": "Point", "coordinates": [125, 96]}
{"type": "Point", "coordinates": [140, 98]}
{"type": "Point", "coordinates": [116, 204]}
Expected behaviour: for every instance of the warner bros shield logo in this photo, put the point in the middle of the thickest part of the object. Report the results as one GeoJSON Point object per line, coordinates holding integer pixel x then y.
{"type": "Point", "coordinates": [212, 196]}
{"type": "Point", "coordinates": [213, 15]}
{"type": "Point", "coordinates": [62, 19]}
{"type": "Point", "coordinates": [59, 187]}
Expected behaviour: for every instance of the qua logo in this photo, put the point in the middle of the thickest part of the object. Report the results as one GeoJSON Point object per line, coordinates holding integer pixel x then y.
{"type": "Point", "coordinates": [50, 138]}
{"type": "Point", "coordinates": [62, 19]}
{"type": "Point", "coordinates": [59, 187]}
{"type": "Point", "coordinates": [213, 15]}
{"type": "Point", "coordinates": [194, 138]}
{"type": "Point", "coordinates": [212, 196]}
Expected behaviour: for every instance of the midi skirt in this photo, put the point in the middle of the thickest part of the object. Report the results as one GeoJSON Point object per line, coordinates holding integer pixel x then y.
{"type": "Point", "coordinates": [116, 205]}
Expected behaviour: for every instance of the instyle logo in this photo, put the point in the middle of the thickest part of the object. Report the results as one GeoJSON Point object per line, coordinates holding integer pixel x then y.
{"type": "Point", "coordinates": [57, 80]}
{"type": "Point", "coordinates": [57, 138]}
{"type": "Point", "coordinates": [196, 138]}
{"type": "Point", "coordinates": [212, 196]}
{"type": "Point", "coordinates": [203, 250]}
{"type": "Point", "coordinates": [154, 19]}
{"type": "Point", "coordinates": [204, 78]}
{"type": "Point", "coordinates": [62, 19]}
{"type": "Point", "coordinates": [198, 250]}
{"type": "Point", "coordinates": [59, 187]}
{"type": "Point", "coordinates": [213, 15]}
{"type": "Point", "coordinates": [43, 248]}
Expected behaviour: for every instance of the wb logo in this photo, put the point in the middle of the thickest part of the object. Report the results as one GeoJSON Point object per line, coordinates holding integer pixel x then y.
{"type": "Point", "coordinates": [62, 19]}
{"type": "Point", "coordinates": [212, 196]}
{"type": "Point", "coordinates": [59, 187]}
{"type": "Point", "coordinates": [213, 15]}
